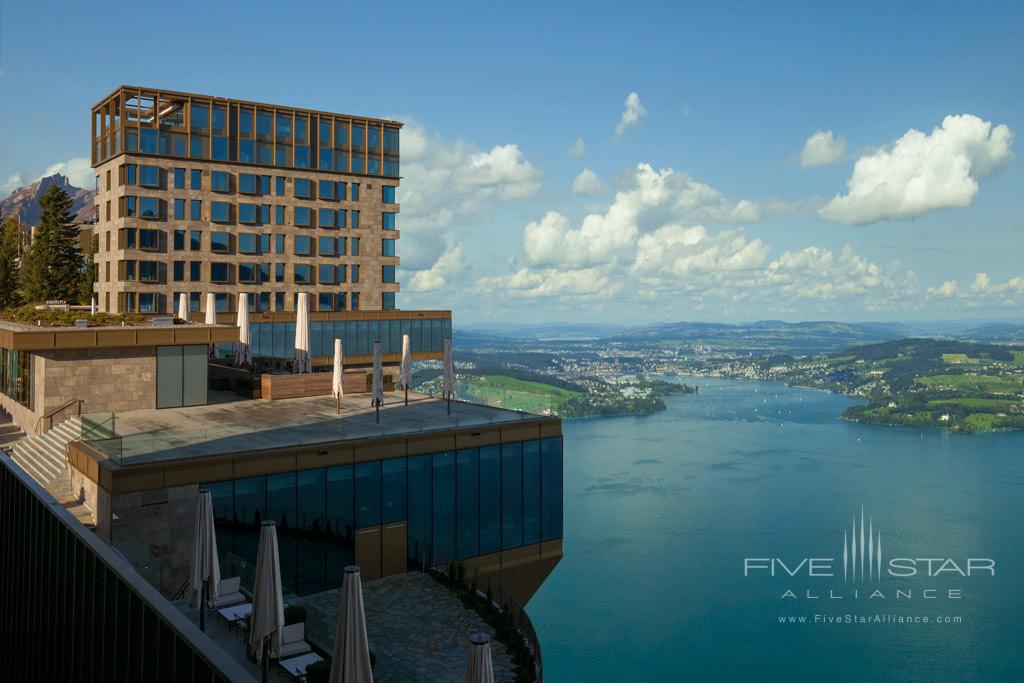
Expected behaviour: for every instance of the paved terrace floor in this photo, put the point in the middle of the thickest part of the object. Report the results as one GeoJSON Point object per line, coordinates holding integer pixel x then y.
{"type": "Point", "coordinates": [418, 629]}
{"type": "Point", "coordinates": [251, 425]}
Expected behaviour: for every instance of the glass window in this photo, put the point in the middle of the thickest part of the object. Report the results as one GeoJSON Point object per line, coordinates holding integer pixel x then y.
{"type": "Point", "coordinates": [357, 163]}
{"type": "Point", "coordinates": [279, 275]}
{"type": "Point", "coordinates": [387, 301]}
{"type": "Point", "coordinates": [220, 242]}
{"type": "Point", "coordinates": [341, 189]}
{"type": "Point", "coordinates": [247, 183]}
{"type": "Point", "coordinates": [325, 301]}
{"type": "Point", "coordinates": [248, 272]}
{"type": "Point", "coordinates": [149, 141]}
{"type": "Point", "coordinates": [303, 188]}
{"type": "Point", "coordinates": [218, 272]}
{"type": "Point", "coordinates": [511, 495]}
{"type": "Point", "coordinates": [179, 209]}
{"type": "Point", "coordinates": [373, 166]}
{"type": "Point", "coordinates": [420, 469]}
{"type": "Point", "coordinates": [200, 118]}
{"type": "Point", "coordinates": [467, 523]}
{"type": "Point", "coordinates": [303, 274]}
{"type": "Point", "coordinates": [358, 134]}
{"type": "Point", "coordinates": [220, 212]}
{"type": "Point", "coordinates": [265, 214]}
{"type": "Point", "coordinates": [149, 207]}
{"type": "Point", "coordinates": [490, 499]}
{"type": "Point", "coordinates": [194, 241]}
{"type": "Point", "coordinates": [354, 223]}
{"type": "Point", "coordinates": [373, 137]}
{"type": "Point", "coordinates": [391, 166]}
{"type": "Point", "coordinates": [311, 519]}
{"type": "Point", "coordinates": [531, 492]}
{"type": "Point", "coordinates": [325, 274]}
{"type": "Point", "coordinates": [326, 246]}
{"type": "Point", "coordinates": [339, 300]}
{"type": "Point", "coordinates": [342, 218]}
{"type": "Point", "coordinates": [388, 220]}
{"type": "Point", "coordinates": [179, 271]}
{"type": "Point", "coordinates": [388, 274]}
{"type": "Point", "coordinates": [284, 127]}
{"type": "Point", "coordinates": [387, 247]}
{"type": "Point", "coordinates": [283, 154]}
{"type": "Point", "coordinates": [219, 148]}
{"type": "Point", "coordinates": [551, 488]}
{"type": "Point", "coordinates": [149, 176]}
{"type": "Point", "coordinates": [444, 507]}
{"type": "Point", "coordinates": [355, 246]}
{"type": "Point", "coordinates": [196, 180]}
{"type": "Point", "coordinates": [196, 209]}
{"type": "Point", "coordinates": [342, 245]}
{"type": "Point", "coordinates": [303, 245]}
{"type": "Point", "coordinates": [302, 216]}
{"type": "Point", "coordinates": [263, 124]}
{"type": "Point", "coordinates": [340, 497]}
{"type": "Point", "coordinates": [393, 492]}
{"type": "Point", "coordinates": [179, 239]}
{"type": "Point", "coordinates": [179, 179]}
{"type": "Point", "coordinates": [281, 505]}
{"type": "Point", "coordinates": [367, 494]}
{"type": "Point", "coordinates": [355, 272]}
{"type": "Point", "coordinates": [248, 243]}
{"type": "Point", "coordinates": [265, 244]}
{"type": "Point", "coordinates": [278, 244]}
{"type": "Point", "coordinates": [195, 273]}
{"type": "Point", "coordinates": [221, 302]}
{"type": "Point", "coordinates": [326, 218]}
{"type": "Point", "coordinates": [279, 186]}
{"type": "Point", "coordinates": [219, 181]}
{"type": "Point", "coordinates": [355, 192]}
{"type": "Point", "coordinates": [326, 157]}
{"type": "Point", "coordinates": [245, 128]}
{"type": "Point", "coordinates": [264, 153]}
{"type": "Point", "coordinates": [325, 189]}
{"type": "Point", "coordinates": [391, 140]}
{"type": "Point", "coordinates": [247, 151]}
{"type": "Point", "coordinates": [247, 213]}
{"type": "Point", "coordinates": [355, 300]}
{"type": "Point", "coordinates": [302, 156]}
{"type": "Point", "coordinates": [340, 133]}
{"type": "Point", "coordinates": [279, 215]}
{"type": "Point", "coordinates": [325, 132]}
{"type": "Point", "coordinates": [264, 184]}
{"type": "Point", "coordinates": [149, 239]}
{"type": "Point", "coordinates": [148, 271]}
{"type": "Point", "coordinates": [342, 274]}
{"type": "Point", "coordinates": [147, 302]}
{"type": "Point", "coordinates": [265, 277]}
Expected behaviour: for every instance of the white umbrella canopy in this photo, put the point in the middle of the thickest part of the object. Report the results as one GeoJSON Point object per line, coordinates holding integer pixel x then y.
{"type": "Point", "coordinates": [302, 362]}
{"type": "Point", "coordinates": [211, 318]}
{"type": "Point", "coordinates": [267, 617]}
{"type": "Point", "coordinates": [406, 369]}
{"type": "Point", "coordinates": [243, 353]}
{"type": "Point", "coordinates": [351, 660]}
{"type": "Point", "coordinates": [183, 306]}
{"type": "Point", "coordinates": [337, 390]}
{"type": "Point", "coordinates": [204, 578]}
{"type": "Point", "coordinates": [480, 669]}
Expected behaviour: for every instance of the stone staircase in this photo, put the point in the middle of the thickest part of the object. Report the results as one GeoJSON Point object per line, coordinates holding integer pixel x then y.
{"type": "Point", "coordinates": [43, 457]}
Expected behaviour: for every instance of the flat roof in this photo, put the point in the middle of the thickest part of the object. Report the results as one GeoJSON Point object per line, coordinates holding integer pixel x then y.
{"type": "Point", "coordinates": [22, 337]}
{"type": "Point", "coordinates": [234, 427]}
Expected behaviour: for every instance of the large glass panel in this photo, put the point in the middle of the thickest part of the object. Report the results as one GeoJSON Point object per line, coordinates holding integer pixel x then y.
{"type": "Point", "coordinates": [284, 127]}
{"type": "Point", "coordinates": [247, 151]}
{"type": "Point", "coordinates": [467, 525]}
{"type": "Point", "coordinates": [551, 488]}
{"type": "Point", "coordinates": [511, 495]}
{"type": "Point", "coordinates": [444, 507]}
{"type": "Point", "coordinates": [250, 500]}
{"type": "Point", "coordinates": [393, 508]}
{"type": "Point", "coordinates": [419, 527]}
{"type": "Point", "coordinates": [312, 524]}
{"type": "Point", "coordinates": [263, 125]}
{"type": "Point", "coordinates": [367, 494]}
{"type": "Point", "coordinates": [531, 492]}
{"type": "Point", "coordinates": [281, 509]}
{"type": "Point", "coordinates": [200, 118]}
{"type": "Point", "coordinates": [490, 499]}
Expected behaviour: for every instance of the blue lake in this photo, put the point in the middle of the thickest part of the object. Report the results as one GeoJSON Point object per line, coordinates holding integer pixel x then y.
{"type": "Point", "coordinates": [661, 511]}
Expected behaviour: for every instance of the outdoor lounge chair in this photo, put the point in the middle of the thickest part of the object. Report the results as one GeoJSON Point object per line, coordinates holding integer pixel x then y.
{"type": "Point", "coordinates": [293, 642]}
{"type": "Point", "coordinates": [230, 593]}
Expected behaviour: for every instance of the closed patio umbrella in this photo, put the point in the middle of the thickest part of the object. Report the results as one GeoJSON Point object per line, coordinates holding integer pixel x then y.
{"type": "Point", "coordinates": [243, 353]}
{"type": "Point", "coordinates": [448, 383]}
{"type": "Point", "coordinates": [183, 306]}
{"type": "Point", "coordinates": [479, 669]}
{"type": "Point", "coordinates": [267, 618]}
{"type": "Point", "coordinates": [211, 318]}
{"type": "Point", "coordinates": [377, 395]}
{"type": "Point", "coordinates": [406, 370]}
{"type": "Point", "coordinates": [205, 576]}
{"type": "Point", "coordinates": [302, 362]}
{"type": "Point", "coordinates": [337, 390]}
{"type": "Point", "coordinates": [351, 660]}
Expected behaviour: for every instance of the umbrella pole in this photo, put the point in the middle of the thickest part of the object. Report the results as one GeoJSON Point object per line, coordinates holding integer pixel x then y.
{"type": "Point", "coordinates": [449, 404]}
{"type": "Point", "coordinates": [375, 403]}
{"type": "Point", "coordinates": [266, 660]}
{"type": "Point", "coordinates": [407, 396]}
{"type": "Point", "coordinates": [202, 608]}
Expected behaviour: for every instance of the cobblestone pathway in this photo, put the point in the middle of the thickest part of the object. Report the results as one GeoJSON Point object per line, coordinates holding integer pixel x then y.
{"type": "Point", "coordinates": [417, 628]}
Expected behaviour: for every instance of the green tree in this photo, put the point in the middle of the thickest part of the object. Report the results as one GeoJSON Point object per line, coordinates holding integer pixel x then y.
{"type": "Point", "coordinates": [54, 265]}
{"type": "Point", "coordinates": [10, 234]}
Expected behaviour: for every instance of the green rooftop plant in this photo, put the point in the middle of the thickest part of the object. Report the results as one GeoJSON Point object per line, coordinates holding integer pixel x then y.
{"type": "Point", "coordinates": [29, 315]}
{"type": "Point", "coordinates": [294, 614]}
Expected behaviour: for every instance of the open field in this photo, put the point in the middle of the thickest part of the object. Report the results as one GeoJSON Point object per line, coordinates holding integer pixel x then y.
{"type": "Point", "coordinates": [517, 394]}
{"type": "Point", "coordinates": [982, 383]}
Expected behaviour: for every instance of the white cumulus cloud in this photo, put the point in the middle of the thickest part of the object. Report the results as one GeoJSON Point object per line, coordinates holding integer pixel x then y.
{"type": "Point", "coordinates": [920, 172]}
{"type": "Point", "coordinates": [821, 149]}
{"type": "Point", "coordinates": [434, 278]}
{"type": "Point", "coordinates": [579, 148]}
{"type": "Point", "coordinates": [588, 183]}
{"type": "Point", "coordinates": [631, 115]}
{"type": "Point", "coordinates": [78, 170]}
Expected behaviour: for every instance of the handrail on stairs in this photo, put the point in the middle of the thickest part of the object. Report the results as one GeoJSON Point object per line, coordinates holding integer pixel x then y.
{"type": "Point", "coordinates": [48, 417]}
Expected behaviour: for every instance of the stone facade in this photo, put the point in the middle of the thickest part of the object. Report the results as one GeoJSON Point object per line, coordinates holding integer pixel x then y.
{"type": "Point", "coordinates": [161, 523]}
{"type": "Point", "coordinates": [108, 379]}
{"type": "Point", "coordinates": [112, 253]}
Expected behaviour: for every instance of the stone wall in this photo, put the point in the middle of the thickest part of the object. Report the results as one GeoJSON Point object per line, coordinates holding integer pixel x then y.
{"type": "Point", "coordinates": [162, 522]}
{"type": "Point", "coordinates": [112, 379]}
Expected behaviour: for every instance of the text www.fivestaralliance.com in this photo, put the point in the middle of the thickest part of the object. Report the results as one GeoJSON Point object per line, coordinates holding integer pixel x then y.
{"type": "Point", "coordinates": [831, 620]}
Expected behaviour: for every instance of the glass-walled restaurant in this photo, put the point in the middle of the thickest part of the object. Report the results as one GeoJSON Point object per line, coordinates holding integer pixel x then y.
{"type": "Point", "coordinates": [16, 375]}
{"type": "Point", "coordinates": [457, 504]}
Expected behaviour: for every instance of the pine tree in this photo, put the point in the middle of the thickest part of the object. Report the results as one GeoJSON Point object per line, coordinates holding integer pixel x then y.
{"type": "Point", "coordinates": [53, 267]}
{"type": "Point", "coordinates": [10, 235]}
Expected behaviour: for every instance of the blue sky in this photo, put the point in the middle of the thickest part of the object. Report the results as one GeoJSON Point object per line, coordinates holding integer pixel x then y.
{"type": "Point", "coordinates": [701, 206]}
